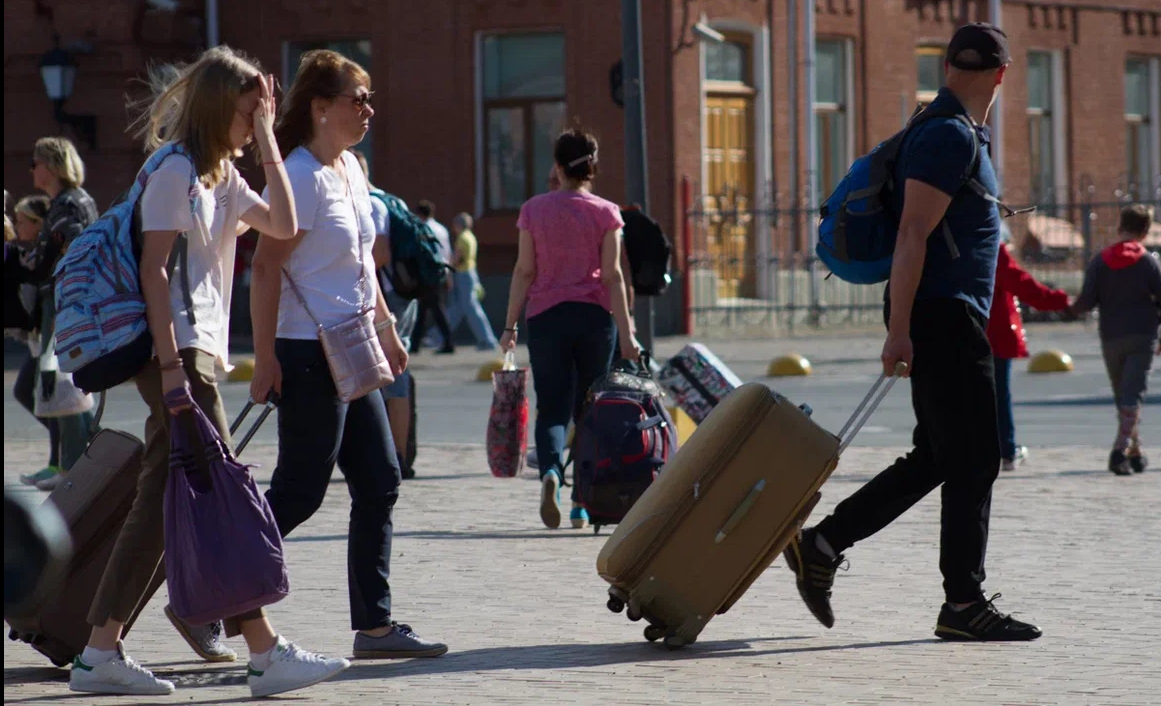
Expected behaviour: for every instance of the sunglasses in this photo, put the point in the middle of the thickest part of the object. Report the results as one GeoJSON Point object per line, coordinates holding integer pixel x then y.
{"type": "Point", "coordinates": [361, 100]}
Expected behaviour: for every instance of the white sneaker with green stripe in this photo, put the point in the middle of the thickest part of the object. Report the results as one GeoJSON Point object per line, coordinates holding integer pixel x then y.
{"type": "Point", "coordinates": [291, 668]}
{"type": "Point", "coordinates": [120, 675]}
{"type": "Point", "coordinates": [41, 475]}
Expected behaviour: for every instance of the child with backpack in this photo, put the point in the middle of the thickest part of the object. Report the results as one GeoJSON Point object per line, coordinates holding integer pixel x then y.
{"type": "Point", "coordinates": [198, 121]}
{"type": "Point", "coordinates": [1124, 281]}
{"type": "Point", "coordinates": [568, 272]}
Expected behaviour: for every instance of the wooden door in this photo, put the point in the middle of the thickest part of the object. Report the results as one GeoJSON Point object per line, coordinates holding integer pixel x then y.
{"type": "Point", "coordinates": [729, 192]}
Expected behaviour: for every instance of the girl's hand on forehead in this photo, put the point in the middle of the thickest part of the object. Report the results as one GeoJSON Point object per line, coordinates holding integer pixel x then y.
{"type": "Point", "coordinates": [265, 110]}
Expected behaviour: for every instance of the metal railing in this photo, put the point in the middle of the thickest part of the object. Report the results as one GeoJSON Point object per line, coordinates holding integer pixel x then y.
{"type": "Point", "coordinates": [748, 271]}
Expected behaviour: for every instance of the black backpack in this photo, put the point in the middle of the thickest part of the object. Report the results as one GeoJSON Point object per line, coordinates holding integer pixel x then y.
{"type": "Point", "coordinates": [649, 251]}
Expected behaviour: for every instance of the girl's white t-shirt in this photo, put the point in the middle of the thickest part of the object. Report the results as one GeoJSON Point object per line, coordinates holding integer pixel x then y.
{"type": "Point", "coordinates": [211, 230]}
{"type": "Point", "coordinates": [335, 212]}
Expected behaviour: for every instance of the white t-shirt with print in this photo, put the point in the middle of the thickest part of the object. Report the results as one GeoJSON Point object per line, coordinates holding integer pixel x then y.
{"type": "Point", "coordinates": [335, 212]}
{"type": "Point", "coordinates": [212, 236]}
{"type": "Point", "coordinates": [382, 220]}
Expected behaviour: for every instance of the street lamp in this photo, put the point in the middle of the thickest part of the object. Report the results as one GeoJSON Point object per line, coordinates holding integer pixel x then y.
{"type": "Point", "coordinates": [58, 71]}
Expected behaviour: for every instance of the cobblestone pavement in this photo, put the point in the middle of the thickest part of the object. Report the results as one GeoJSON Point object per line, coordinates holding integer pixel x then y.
{"type": "Point", "coordinates": [1073, 548]}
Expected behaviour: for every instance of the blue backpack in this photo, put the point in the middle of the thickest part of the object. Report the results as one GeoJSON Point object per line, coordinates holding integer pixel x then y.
{"type": "Point", "coordinates": [417, 263]}
{"type": "Point", "coordinates": [856, 237]}
{"type": "Point", "coordinates": [102, 334]}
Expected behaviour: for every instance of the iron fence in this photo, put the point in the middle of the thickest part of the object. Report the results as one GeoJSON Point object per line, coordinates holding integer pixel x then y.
{"type": "Point", "coordinates": [748, 269]}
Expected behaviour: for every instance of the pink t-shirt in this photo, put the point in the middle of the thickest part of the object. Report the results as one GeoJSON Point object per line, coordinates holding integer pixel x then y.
{"type": "Point", "coordinates": [568, 228]}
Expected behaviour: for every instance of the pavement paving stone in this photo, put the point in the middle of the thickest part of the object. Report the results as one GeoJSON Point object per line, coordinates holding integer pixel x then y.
{"type": "Point", "coordinates": [1073, 548]}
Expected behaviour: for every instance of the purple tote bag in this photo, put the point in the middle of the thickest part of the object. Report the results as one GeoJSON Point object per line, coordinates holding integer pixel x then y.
{"type": "Point", "coordinates": [223, 550]}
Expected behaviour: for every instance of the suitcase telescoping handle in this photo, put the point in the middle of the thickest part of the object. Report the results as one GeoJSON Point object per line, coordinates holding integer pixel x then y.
{"type": "Point", "coordinates": [867, 407]}
{"type": "Point", "coordinates": [271, 403]}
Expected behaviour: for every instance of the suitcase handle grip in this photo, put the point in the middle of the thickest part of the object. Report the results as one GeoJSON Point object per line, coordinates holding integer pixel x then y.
{"type": "Point", "coordinates": [740, 511]}
{"type": "Point", "coordinates": [869, 404]}
{"type": "Point", "coordinates": [271, 402]}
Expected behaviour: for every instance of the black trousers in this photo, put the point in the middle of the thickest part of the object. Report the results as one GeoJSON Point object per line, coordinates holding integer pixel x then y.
{"type": "Point", "coordinates": [432, 302]}
{"type": "Point", "coordinates": [956, 444]}
{"type": "Point", "coordinates": [316, 430]}
{"type": "Point", "coordinates": [23, 391]}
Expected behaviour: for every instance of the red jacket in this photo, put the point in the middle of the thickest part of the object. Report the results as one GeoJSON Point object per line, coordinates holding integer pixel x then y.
{"type": "Point", "coordinates": [1005, 327]}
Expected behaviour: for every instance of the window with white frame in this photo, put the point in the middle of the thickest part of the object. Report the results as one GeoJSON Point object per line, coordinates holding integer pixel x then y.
{"type": "Point", "coordinates": [357, 50]}
{"type": "Point", "coordinates": [929, 73]}
{"type": "Point", "coordinates": [1041, 126]}
{"type": "Point", "coordinates": [1141, 126]}
{"type": "Point", "coordinates": [832, 113]}
{"type": "Point", "coordinates": [523, 103]}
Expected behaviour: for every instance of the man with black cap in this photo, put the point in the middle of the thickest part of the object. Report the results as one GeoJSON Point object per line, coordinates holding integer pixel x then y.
{"type": "Point", "coordinates": [937, 312]}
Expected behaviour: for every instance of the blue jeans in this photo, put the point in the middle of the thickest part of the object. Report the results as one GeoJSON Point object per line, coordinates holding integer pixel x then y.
{"type": "Point", "coordinates": [1005, 419]}
{"type": "Point", "coordinates": [402, 385]}
{"type": "Point", "coordinates": [569, 347]}
{"type": "Point", "coordinates": [316, 430]}
{"type": "Point", "coordinates": [464, 305]}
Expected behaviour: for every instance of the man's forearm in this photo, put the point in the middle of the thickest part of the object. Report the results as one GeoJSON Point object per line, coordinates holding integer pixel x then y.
{"type": "Point", "coordinates": [906, 271]}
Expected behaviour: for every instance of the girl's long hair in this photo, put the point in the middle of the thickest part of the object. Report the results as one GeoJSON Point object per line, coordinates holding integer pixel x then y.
{"type": "Point", "coordinates": [195, 105]}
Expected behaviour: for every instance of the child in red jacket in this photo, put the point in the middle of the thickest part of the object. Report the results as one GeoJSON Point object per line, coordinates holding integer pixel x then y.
{"type": "Point", "coordinates": [1006, 334]}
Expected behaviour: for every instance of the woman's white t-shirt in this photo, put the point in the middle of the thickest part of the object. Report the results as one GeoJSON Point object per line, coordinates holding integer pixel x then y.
{"type": "Point", "coordinates": [335, 212]}
{"type": "Point", "coordinates": [211, 231]}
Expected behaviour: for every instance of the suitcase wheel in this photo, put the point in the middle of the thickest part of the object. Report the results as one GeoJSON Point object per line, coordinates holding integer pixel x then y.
{"type": "Point", "coordinates": [634, 613]}
{"type": "Point", "coordinates": [653, 633]}
{"type": "Point", "coordinates": [615, 604]}
{"type": "Point", "coordinates": [673, 642]}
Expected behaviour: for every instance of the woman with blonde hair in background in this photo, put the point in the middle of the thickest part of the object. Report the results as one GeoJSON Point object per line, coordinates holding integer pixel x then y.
{"type": "Point", "coordinates": [322, 278]}
{"type": "Point", "coordinates": [58, 171]}
{"type": "Point", "coordinates": [211, 109]}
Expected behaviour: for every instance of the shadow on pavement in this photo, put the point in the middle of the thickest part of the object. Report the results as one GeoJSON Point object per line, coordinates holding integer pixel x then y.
{"type": "Point", "coordinates": [534, 657]}
{"type": "Point", "coordinates": [1106, 400]}
{"type": "Point", "coordinates": [565, 656]}
{"type": "Point", "coordinates": [449, 534]}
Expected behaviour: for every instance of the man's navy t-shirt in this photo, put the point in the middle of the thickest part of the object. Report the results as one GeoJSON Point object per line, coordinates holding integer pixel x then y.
{"type": "Point", "coordinates": [939, 153]}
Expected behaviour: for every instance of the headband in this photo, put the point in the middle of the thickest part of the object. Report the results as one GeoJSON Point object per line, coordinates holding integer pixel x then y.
{"type": "Point", "coordinates": [587, 158]}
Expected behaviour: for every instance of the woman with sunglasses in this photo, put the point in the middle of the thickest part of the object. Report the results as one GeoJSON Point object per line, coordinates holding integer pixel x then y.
{"type": "Point", "coordinates": [212, 109]}
{"type": "Point", "coordinates": [330, 262]}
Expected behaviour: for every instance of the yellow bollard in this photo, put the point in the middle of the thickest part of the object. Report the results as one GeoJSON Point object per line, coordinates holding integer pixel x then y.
{"type": "Point", "coordinates": [486, 370]}
{"type": "Point", "coordinates": [683, 425]}
{"type": "Point", "coordinates": [243, 371]}
{"type": "Point", "coordinates": [1050, 362]}
{"type": "Point", "coordinates": [792, 364]}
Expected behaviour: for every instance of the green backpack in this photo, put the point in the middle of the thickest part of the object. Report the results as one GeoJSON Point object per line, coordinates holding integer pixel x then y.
{"type": "Point", "coordinates": [417, 263]}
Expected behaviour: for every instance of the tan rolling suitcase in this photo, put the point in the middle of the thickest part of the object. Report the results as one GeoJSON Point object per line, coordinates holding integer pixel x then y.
{"type": "Point", "coordinates": [722, 510]}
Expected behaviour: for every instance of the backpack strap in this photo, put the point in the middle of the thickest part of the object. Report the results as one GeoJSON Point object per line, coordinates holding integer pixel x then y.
{"type": "Point", "coordinates": [179, 254]}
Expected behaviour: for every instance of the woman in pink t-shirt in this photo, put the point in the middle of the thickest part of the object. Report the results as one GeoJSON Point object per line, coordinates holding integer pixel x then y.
{"type": "Point", "coordinates": [568, 272]}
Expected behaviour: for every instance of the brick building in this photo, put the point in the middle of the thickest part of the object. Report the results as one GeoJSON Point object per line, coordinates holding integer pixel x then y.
{"type": "Point", "coordinates": [470, 92]}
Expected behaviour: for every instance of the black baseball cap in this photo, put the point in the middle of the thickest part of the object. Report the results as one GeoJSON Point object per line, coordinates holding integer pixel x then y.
{"type": "Point", "coordinates": [978, 46]}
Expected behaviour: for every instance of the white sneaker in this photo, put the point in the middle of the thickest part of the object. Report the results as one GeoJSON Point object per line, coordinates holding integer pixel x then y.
{"type": "Point", "coordinates": [1019, 458]}
{"type": "Point", "coordinates": [51, 482]}
{"type": "Point", "coordinates": [120, 675]}
{"type": "Point", "coordinates": [292, 668]}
